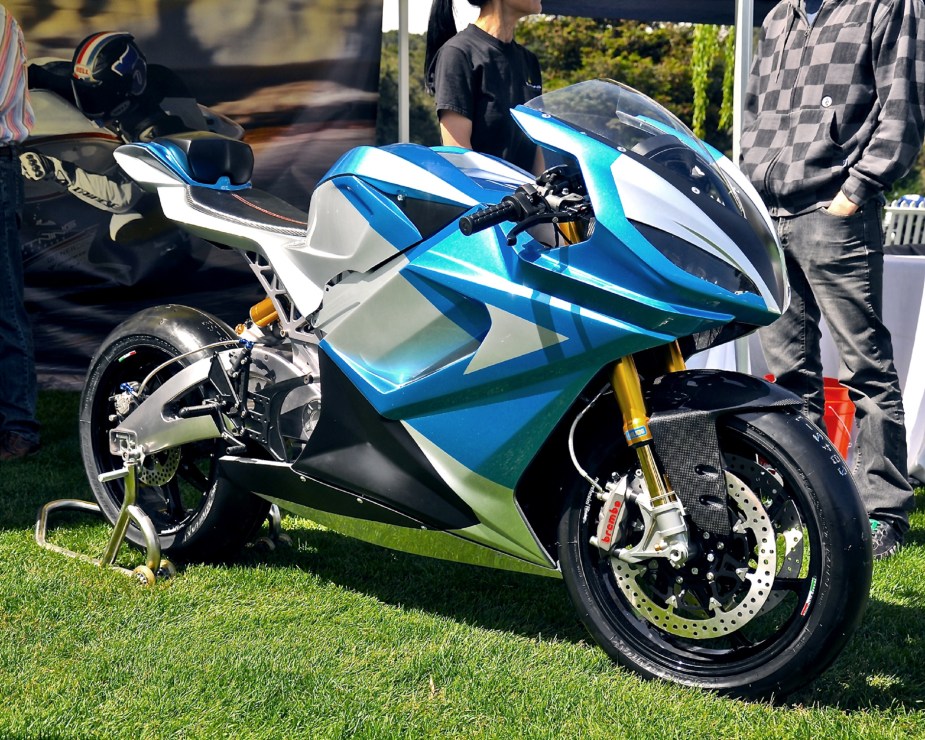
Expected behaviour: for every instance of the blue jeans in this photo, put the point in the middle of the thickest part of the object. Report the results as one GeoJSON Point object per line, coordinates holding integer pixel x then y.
{"type": "Point", "coordinates": [835, 265]}
{"type": "Point", "coordinates": [17, 364]}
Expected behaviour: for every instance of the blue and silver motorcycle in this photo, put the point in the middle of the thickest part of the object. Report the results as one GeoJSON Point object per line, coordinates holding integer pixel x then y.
{"type": "Point", "coordinates": [459, 360]}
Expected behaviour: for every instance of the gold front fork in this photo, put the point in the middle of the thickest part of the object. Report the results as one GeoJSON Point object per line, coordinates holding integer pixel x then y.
{"type": "Point", "coordinates": [666, 508]}
{"type": "Point", "coordinates": [571, 232]}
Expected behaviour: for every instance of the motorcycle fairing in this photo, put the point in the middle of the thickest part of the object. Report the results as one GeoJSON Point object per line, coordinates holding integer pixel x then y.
{"type": "Point", "coordinates": [354, 448]}
{"type": "Point", "coordinates": [351, 228]}
{"type": "Point", "coordinates": [275, 480]}
{"type": "Point", "coordinates": [442, 174]}
{"type": "Point", "coordinates": [373, 521]}
{"type": "Point", "coordinates": [462, 321]}
{"type": "Point", "coordinates": [723, 163]}
{"type": "Point", "coordinates": [427, 542]}
{"type": "Point", "coordinates": [693, 223]}
{"type": "Point", "coordinates": [405, 193]}
{"type": "Point", "coordinates": [486, 169]}
{"type": "Point", "coordinates": [389, 462]}
{"type": "Point", "coordinates": [463, 329]}
{"type": "Point", "coordinates": [448, 340]}
{"type": "Point", "coordinates": [619, 255]}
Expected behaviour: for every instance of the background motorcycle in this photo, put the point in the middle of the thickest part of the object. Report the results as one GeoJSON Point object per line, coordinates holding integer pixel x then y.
{"type": "Point", "coordinates": [64, 236]}
{"type": "Point", "coordinates": [450, 378]}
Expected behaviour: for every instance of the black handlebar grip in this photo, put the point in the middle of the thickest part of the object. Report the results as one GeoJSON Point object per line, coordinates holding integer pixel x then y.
{"type": "Point", "coordinates": [487, 217]}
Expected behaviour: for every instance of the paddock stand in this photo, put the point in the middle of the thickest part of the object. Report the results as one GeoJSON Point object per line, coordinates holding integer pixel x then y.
{"type": "Point", "coordinates": [276, 535]}
{"type": "Point", "coordinates": [155, 566]}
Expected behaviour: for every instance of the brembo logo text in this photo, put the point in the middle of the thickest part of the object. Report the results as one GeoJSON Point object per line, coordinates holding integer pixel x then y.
{"type": "Point", "coordinates": [611, 522]}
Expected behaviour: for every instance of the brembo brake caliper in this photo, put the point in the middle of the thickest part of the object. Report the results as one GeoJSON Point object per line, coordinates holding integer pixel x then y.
{"type": "Point", "coordinates": [664, 529]}
{"type": "Point", "coordinates": [664, 533]}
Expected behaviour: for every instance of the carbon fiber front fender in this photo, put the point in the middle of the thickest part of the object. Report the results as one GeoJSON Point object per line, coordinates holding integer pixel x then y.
{"type": "Point", "coordinates": [683, 408]}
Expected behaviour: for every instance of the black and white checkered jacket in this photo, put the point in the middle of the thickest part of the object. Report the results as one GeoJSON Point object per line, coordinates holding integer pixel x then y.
{"type": "Point", "coordinates": [839, 105]}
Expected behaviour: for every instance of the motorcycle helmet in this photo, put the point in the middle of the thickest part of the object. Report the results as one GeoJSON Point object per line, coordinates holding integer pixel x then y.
{"type": "Point", "coordinates": [108, 70]}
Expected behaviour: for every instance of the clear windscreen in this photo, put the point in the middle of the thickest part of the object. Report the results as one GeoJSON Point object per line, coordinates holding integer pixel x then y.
{"type": "Point", "coordinates": [633, 122]}
{"type": "Point", "coordinates": [613, 111]}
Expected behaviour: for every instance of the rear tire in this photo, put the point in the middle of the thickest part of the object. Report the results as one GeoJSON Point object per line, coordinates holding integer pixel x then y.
{"type": "Point", "coordinates": [197, 514]}
{"type": "Point", "coordinates": [660, 622]}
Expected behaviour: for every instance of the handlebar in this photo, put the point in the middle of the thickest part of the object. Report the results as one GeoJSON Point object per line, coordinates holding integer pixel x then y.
{"type": "Point", "coordinates": [557, 196]}
{"type": "Point", "coordinates": [507, 209]}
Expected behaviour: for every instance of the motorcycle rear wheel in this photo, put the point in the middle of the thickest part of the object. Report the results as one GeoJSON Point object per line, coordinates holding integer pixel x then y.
{"type": "Point", "coordinates": [197, 514]}
{"type": "Point", "coordinates": [660, 622]}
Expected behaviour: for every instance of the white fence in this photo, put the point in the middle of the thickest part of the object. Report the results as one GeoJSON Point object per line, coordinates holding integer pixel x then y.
{"type": "Point", "coordinates": [904, 221]}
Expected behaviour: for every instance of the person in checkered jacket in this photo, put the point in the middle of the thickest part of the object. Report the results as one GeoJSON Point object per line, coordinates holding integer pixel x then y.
{"type": "Point", "coordinates": [835, 114]}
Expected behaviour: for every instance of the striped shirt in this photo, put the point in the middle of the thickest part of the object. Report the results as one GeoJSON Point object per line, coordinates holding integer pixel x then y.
{"type": "Point", "coordinates": [16, 116]}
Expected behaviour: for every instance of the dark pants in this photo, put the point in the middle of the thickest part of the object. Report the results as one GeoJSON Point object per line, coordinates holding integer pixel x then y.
{"type": "Point", "coordinates": [17, 366]}
{"type": "Point", "coordinates": [835, 266]}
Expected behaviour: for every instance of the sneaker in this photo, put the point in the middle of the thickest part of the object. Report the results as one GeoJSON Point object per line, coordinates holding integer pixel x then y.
{"type": "Point", "coordinates": [14, 446]}
{"type": "Point", "coordinates": [885, 539]}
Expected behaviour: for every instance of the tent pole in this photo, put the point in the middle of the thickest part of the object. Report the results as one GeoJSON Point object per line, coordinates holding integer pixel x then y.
{"type": "Point", "coordinates": [744, 28]}
{"type": "Point", "coordinates": [404, 86]}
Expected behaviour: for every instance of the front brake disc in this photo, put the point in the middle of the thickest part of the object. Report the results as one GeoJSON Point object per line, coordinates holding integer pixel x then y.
{"type": "Point", "coordinates": [682, 614]}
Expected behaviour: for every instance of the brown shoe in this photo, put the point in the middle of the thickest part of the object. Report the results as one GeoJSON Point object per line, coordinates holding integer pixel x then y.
{"type": "Point", "coordinates": [14, 446]}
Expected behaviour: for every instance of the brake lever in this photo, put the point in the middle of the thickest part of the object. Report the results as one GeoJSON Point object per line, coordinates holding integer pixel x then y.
{"type": "Point", "coordinates": [555, 217]}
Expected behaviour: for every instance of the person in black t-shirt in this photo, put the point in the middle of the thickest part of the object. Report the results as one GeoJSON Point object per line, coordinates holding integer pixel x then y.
{"type": "Point", "coordinates": [479, 74]}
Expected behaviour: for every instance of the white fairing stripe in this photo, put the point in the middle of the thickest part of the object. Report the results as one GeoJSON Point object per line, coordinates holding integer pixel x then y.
{"type": "Point", "coordinates": [338, 238]}
{"type": "Point", "coordinates": [277, 248]}
{"type": "Point", "coordinates": [510, 337]}
{"type": "Point", "coordinates": [741, 181]}
{"type": "Point", "coordinates": [385, 166]}
{"type": "Point", "coordinates": [481, 167]}
{"type": "Point", "coordinates": [649, 199]}
{"type": "Point", "coordinates": [501, 524]}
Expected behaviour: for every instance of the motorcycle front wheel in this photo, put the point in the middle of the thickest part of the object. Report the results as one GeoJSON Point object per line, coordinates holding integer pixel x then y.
{"type": "Point", "coordinates": [757, 613]}
{"type": "Point", "coordinates": [197, 514]}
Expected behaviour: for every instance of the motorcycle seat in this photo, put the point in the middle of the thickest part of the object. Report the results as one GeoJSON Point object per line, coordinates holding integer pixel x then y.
{"type": "Point", "coordinates": [207, 157]}
{"type": "Point", "coordinates": [252, 207]}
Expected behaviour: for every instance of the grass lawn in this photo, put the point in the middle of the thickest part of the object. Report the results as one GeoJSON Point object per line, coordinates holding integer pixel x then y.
{"type": "Point", "coordinates": [335, 638]}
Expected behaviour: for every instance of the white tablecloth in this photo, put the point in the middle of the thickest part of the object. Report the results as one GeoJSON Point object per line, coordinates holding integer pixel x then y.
{"type": "Point", "coordinates": [903, 313]}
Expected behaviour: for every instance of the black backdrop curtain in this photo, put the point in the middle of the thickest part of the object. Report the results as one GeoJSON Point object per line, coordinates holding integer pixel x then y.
{"type": "Point", "coordinates": [299, 77]}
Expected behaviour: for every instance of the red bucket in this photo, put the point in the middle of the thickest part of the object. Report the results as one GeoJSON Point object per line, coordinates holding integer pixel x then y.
{"type": "Point", "coordinates": [839, 415]}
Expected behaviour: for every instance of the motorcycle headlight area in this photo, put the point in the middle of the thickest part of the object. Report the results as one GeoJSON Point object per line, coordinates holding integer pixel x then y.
{"type": "Point", "coordinates": [696, 262]}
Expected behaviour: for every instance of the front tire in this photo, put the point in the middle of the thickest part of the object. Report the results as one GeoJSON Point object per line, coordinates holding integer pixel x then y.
{"type": "Point", "coordinates": [197, 514]}
{"type": "Point", "coordinates": [734, 619]}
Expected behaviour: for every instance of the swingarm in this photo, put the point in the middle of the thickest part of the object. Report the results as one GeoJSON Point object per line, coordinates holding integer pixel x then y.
{"type": "Point", "coordinates": [205, 400]}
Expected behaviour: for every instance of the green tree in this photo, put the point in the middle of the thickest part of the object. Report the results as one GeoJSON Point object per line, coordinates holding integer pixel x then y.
{"type": "Point", "coordinates": [654, 58]}
{"type": "Point", "coordinates": [423, 118]}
